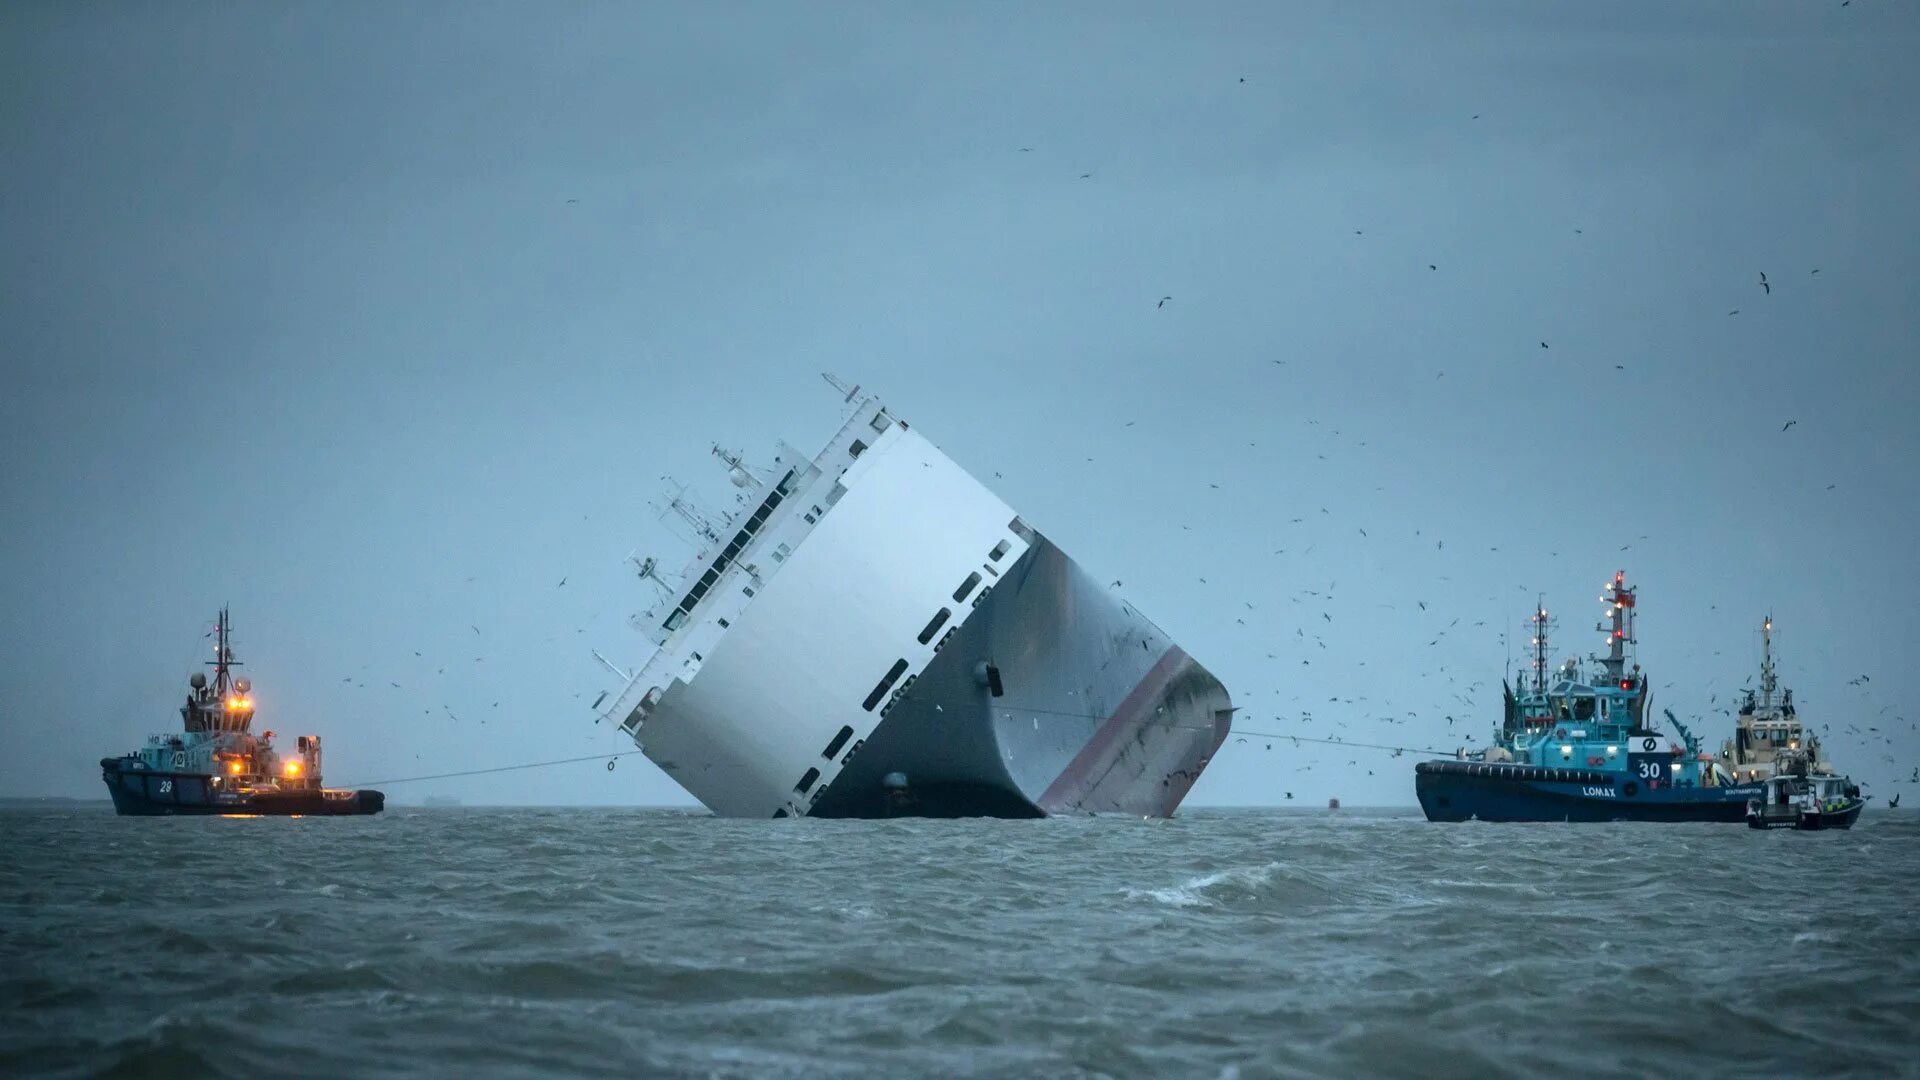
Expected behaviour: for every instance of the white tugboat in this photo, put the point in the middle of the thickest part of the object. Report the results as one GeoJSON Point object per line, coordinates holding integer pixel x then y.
{"type": "Point", "coordinates": [1768, 732]}
{"type": "Point", "coordinates": [873, 632]}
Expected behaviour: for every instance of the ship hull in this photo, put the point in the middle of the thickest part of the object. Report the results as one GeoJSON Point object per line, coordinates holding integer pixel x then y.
{"type": "Point", "coordinates": [891, 638]}
{"type": "Point", "coordinates": [1466, 791]}
{"type": "Point", "coordinates": [1089, 709]}
{"type": "Point", "coordinates": [146, 793]}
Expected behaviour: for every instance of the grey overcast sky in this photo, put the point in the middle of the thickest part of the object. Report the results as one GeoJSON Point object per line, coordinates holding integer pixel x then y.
{"type": "Point", "coordinates": [299, 312]}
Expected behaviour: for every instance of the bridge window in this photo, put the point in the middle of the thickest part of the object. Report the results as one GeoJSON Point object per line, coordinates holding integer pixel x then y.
{"type": "Point", "coordinates": [806, 781]}
{"type": "Point", "coordinates": [999, 551]}
{"type": "Point", "coordinates": [966, 586]}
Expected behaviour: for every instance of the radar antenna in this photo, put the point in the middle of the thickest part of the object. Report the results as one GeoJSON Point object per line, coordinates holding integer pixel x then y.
{"type": "Point", "coordinates": [738, 471]}
{"type": "Point", "coordinates": [649, 571]}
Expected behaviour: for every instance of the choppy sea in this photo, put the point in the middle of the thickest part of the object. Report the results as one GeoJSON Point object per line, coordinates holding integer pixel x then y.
{"type": "Point", "coordinates": [583, 942]}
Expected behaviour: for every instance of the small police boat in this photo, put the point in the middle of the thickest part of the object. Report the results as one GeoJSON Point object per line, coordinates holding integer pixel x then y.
{"type": "Point", "coordinates": [1576, 745]}
{"type": "Point", "coordinates": [219, 766]}
{"type": "Point", "coordinates": [1809, 801]}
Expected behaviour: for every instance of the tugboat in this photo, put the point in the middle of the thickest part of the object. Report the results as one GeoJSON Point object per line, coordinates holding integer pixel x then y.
{"type": "Point", "coordinates": [218, 766]}
{"type": "Point", "coordinates": [1575, 745]}
{"type": "Point", "coordinates": [1806, 800]}
{"type": "Point", "coordinates": [1768, 731]}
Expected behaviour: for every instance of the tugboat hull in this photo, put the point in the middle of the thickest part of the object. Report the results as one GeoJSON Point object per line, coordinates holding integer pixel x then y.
{"type": "Point", "coordinates": [1464, 791]}
{"type": "Point", "coordinates": [145, 793]}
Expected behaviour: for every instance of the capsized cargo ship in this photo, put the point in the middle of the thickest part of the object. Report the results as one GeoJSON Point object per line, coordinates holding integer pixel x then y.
{"type": "Point", "coordinates": [872, 632]}
{"type": "Point", "coordinates": [217, 765]}
{"type": "Point", "coordinates": [1575, 745]}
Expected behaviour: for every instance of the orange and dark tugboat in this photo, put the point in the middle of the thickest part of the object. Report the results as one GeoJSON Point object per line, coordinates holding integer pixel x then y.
{"type": "Point", "coordinates": [219, 766]}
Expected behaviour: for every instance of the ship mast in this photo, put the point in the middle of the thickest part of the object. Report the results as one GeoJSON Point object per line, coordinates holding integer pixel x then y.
{"type": "Point", "coordinates": [222, 657]}
{"type": "Point", "coordinates": [1619, 600]}
{"type": "Point", "coordinates": [1767, 682]}
{"type": "Point", "coordinates": [1540, 627]}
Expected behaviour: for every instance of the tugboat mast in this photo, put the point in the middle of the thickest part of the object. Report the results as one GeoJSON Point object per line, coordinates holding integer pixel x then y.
{"type": "Point", "coordinates": [1619, 599]}
{"type": "Point", "coordinates": [1767, 681]}
{"type": "Point", "coordinates": [1540, 627]}
{"type": "Point", "coordinates": [222, 658]}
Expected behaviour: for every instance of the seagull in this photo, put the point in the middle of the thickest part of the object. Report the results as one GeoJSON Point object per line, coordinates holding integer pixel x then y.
{"type": "Point", "coordinates": [1086, 176]}
{"type": "Point", "coordinates": [1816, 269]}
{"type": "Point", "coordinates": [570, 201]}
{"type": "Point", "coordinates": [1735, 311]}
{"type": "Point", "coordinates": [1430, 266]}
{"type": "Point", "coordinates": [1163, 302]}
{"type": "Point", "coordinates": [1763, 283]}
{"type": "Point", "coordinates": [1026, 149]}
{"type": "Point", "coordinates": [1115, 585]}
{"type": "Point", "coordinates": [476, 630]}
{"type": "Point", "coordinates": [1788, 424]}
{"type": "Point", "coordinates": [1543, 344]}
{"type": "Point", "coordinates": [563, 582]}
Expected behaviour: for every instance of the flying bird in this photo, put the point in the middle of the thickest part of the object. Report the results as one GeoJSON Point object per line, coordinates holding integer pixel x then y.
{"type": "Point", "coordinates": [1788, 424]}
{"type": "Point", "coordinates": [563, 582]}
{"type": "Point", "coordinates": [1543, 344]}
{"type": "Point", "coordinates": [1163, 302]}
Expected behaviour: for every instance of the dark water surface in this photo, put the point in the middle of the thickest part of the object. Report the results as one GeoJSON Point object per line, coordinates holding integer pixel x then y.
{"type": "Point", "coordinates": [1225, 943]}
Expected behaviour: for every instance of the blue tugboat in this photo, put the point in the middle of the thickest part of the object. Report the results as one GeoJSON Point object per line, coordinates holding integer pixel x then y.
{"type": "Point", "coordinates": [1575, 745]}
{"type": "Point", "coordinates": [219, 766]}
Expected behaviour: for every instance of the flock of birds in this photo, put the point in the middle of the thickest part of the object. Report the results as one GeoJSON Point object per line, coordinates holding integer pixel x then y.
{"type": "Point", "coordinates": [1450, 709]}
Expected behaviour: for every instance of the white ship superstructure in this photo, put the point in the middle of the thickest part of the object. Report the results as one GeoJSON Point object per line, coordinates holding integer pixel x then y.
{"type": "Point", "coordinates": [1768, 736]}
{"type": "Point", "coordinates": [875, 632]}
